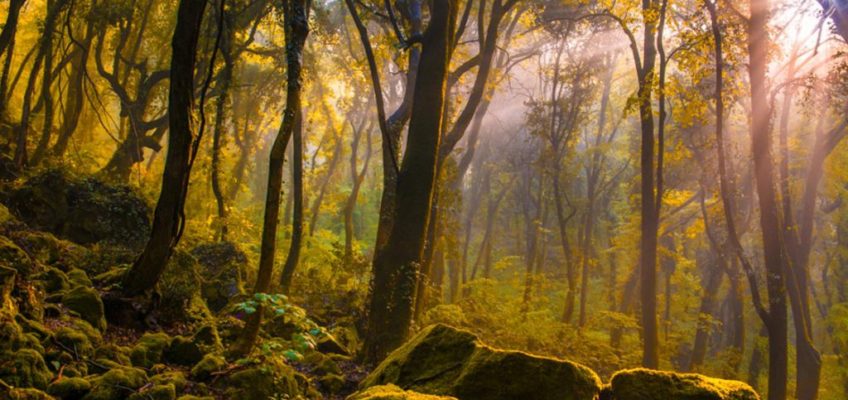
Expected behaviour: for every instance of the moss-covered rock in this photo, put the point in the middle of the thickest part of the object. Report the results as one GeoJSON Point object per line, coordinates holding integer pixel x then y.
{"type": "Point", "coordinates": [69, 388]}
{"type": "Point", "coordinates": [53, 280]}
{"type": "Point", "coordinates": [262, 382]}
{"type": "Point", "coordinates": [180, 291]}
{"type": "Point", "coordinates": [149, 349]}
{"type": "Point", "coordinates": [223, 265]}
{"type": "Point", "coordinates": [193, 397]}
{"type": "Point", "coordinates": [25, 368]}
{"type": "Point", "coordinates": [156, 392]}
{"type": "Point", "coordinates": [328, 344]}
{"type": "Point", "coordinates": [332, 383]}
{"type": "Point", "coordinates": [116, 384]}
{"type": "Point", "coordinates": [116, 353]}
{"type": "Point", "coordinates": [182, 351]}
{"type": "Point", "coordinates": [85, 211]}
{"type": "Point", "coordinates": [86, 302]}
{"type": "Point", "coordinates": [176, 378]}
{"type": "Point", "coordinates": [207, 366]}
{"type": "Point", "coordinates": [78, 277]}
{"type": "Point", "coordinates": [443, 360]}
{"type": "Point", "coordinates": [73, 341]}
{"type": "Point", "coordinates": [14, 257]}
{"type": "Point", "coordinates": [28, 394]}
{"type": "Point", "coordinates": [645, 384]}
{"type": "Point", "coordinates": [46, 249]}
{"type": "Point", "coordinates": [392, 392]}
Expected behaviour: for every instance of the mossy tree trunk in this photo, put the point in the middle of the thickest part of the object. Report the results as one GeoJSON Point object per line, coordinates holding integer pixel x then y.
{"type": "Point", "coordinates": [168, 218]}
{"type": "Point", "coordinates": [296, 18]}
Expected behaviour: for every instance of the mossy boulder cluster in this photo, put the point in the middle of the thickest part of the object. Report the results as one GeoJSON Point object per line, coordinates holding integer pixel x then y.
{"type": "Point", "coordinates": [85, 211]}
{"type": "Point", "coordinates": [445, 361]}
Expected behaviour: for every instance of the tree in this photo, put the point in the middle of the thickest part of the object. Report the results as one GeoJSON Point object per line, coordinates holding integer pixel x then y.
{"type": "Point", "coordinates": [296, 20]}
{"type": "Point", "coordinates": [169, 217]}
{"type": "Point", "coordinates": [396, 267]}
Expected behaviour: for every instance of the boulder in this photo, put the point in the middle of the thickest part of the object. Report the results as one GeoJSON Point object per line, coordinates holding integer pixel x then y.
{"type": "Point", "coordinates": [149, 349]}
{"type": "Point", "coordinates": [223, 266]}
{"type": "Point", "coordinates": [262, 382]}
{"type": "Point", "coordinates": [207, 366]}
{"type": "Point", "coordinates": [69, 388]}
{"type": "Point", "coordinates": [84, 211]}
{"type": "Point", "coordinates": [28, 394]}
{"type": "Point", "coordinates": [86, 302]}
{"type": "Point", "coordinates": [116, 384]}
{"type": "Point", "coordinates": [443, 360]}
{"type": "Point", "coordinates": [646, 384]}
{"type": "Point", "coordinates": [392, 392]}
{"type": "Point", "coordinates": [25, 368]}
{"type": "Point", "coordinates": [182, 351]}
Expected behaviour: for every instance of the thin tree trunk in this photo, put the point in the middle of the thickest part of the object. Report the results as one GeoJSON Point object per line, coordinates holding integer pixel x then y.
{"type": "Point", "coordinates": [296, 18]}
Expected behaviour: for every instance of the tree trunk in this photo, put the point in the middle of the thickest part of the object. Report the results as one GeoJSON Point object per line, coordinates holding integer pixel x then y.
{"type": "Point", "coordinates": [395, 267]}
{"type": "Point", "coordinates": [296, 18]}
{"type": "Point", "coordinates": [168, 218]}
{"type": "Point", "coordinates": [357, 177]}
{"type": "Point", "coordinates": [225, 80]}
{"type": "Point", "coordinates": [770, 225]}
{"type": "Point", "coordinates": [75, 98]}
{"type": "Point", "coordinates": [705, 312]}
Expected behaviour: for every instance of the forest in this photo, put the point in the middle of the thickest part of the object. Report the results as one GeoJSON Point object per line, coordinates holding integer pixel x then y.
{"type": "Point", "coordinates": [424, 199]}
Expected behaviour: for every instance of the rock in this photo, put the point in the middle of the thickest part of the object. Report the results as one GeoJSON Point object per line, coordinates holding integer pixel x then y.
{"type": "Point", "coordinates": [73, 341]}
{"type": "Point", "coordinates": [53, 280]}
{"type": "Point", "coordinates": [223, 266]}
{"type": "Point", "coordinates": [182, 351]}
{"type": "Point", "coordinates": [262, 382]}
{"type": "Point", "coordinates": [78, 277]}
{"type": "Point", "coordinates": [443, 360]}
{"type": "Point", "coordinates": [28, 394]}
{"type": "Point", "coordinates": [84, 211]}
{"type": "Point", "coordinates": [392, 392]}
{"type": "Point", "coordinates": [149, 349]}
{"type": "Point", "coordinates": [156, 392]}
{"type": "Point", "coordinates": [332, 383]}
{"type": "Point", "coordinates": [210, 364]}
{"type": "Point", "coordinates": [14, 257]}
{"type": "Point", "coordinates": [328, 344]}
{"type": "Point", "coordinates": [180, 298]}
{"type": "Point", "coordinates": [116, 384]}
{"type": "Point", "coordinates": [176, 378]}
{"type": "Point", "coordinates": [25, 368]}
{"type": "Point", "coordinates": [46, 249]}
{"type": "Point", "coordinates": [86, 302]}
{"type": "Point", "coordinates": [69, 388]}
{"type": "Point", "coordinates": [645, 384]}
{"type": "Point", "coordinates": [114, 352]}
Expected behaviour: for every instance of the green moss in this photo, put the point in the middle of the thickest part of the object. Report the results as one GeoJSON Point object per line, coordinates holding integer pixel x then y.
{"type": "Point", "coordinates": [86, 302]}
{"type": "Point", "coordinates": [332, 383]}
{"type": "Point", "coordinates": [192, 397]}
{"type": "Point", "coordinates": [392, 392]}
{"type": "Point", "coordinates": [79, 277]}
{"type": "Point", "coordinates": [116, 384]}
{"type": "Point", "coordinates": [328, 344]}
{"type": "Point", "coordinates": [46, 249]}
{"type": "Point", "coordinates": [11, 335]}
{"type": "Point", "coordinates": [53, 280]}
{"type": "Point", "coordinates": [262, 382]}
{"type": "Point", "coordinates": [14, 257]}
{"type": "Point", "coordinates": [210, 364]}
{"type": "Point", "coordinates": [447, 361]}
{"type": "Point", "coordinates": [25, 368]}
{"type": "Point", "coordinates": [114, 352]}
{"type": "Point", "coordinates": [69, 388]}
{"type": "Point", "coordinates": [28, 394]}
{"type": "Point", "coordinates": [73, 341]}
{"type": "Point", "coordinates": [207, 337]}
{"type": "Point", "coordinates": [176, 378]}
{"type": "Point", "coordinates": [182, 351]}
{"type": "Point", "coordinates": [645, 384]}
{"type": "Point", "coordinates": [156, 392]}
{"type": "Point", "coordinates": [149, 349]}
